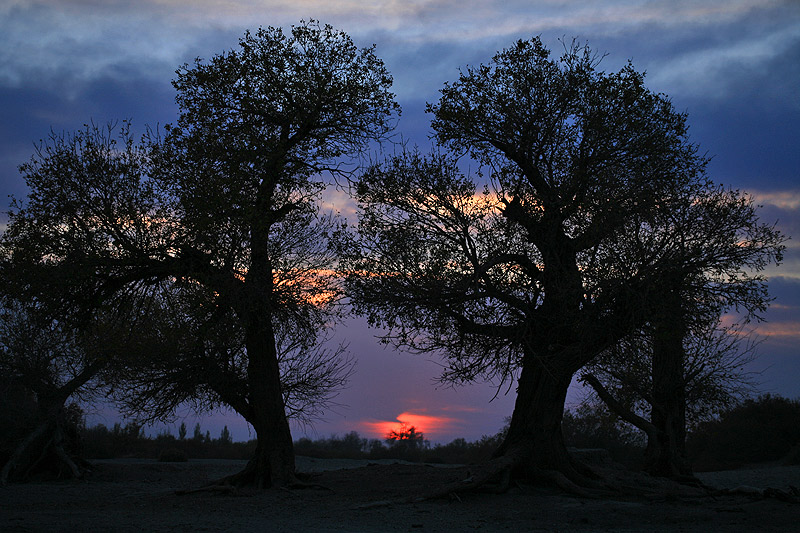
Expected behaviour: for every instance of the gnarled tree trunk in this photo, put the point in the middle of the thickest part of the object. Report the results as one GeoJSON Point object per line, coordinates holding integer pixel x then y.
{"type": "Point", "coordinates": [272, 465]}
{"type": "Point", "coordinates": [534, 436]}
{"type": "Point", "coordinates": [43, 448]}
{"type": "Point", "coordinates": [273, 462]}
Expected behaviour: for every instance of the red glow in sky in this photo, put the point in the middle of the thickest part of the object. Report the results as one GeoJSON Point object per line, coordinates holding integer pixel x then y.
{"type": "Point", "coordinates": [426, 424]}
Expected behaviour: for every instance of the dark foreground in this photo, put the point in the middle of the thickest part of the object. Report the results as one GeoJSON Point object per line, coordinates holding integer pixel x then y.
{"type": "Point", "coordinates": [138, 496]}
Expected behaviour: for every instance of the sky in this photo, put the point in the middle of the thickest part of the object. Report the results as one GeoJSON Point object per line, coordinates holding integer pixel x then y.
{"type": "Point", "coordinates": [732, 65]}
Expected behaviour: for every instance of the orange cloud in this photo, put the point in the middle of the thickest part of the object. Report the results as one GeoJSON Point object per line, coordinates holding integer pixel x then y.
{"type": "Point", "coordinates": [788, 200]}
{"type": "Point", "coordinates": [784, 331]}
{"type": "Point", "coordinates": [427, 424]}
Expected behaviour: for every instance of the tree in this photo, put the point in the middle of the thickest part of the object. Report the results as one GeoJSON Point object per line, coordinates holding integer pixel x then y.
{"type": "Point", "coordinates": [713, 248]}
{"type": "Point", "coordinates": [221, 215]}
{"type": "Point", "coordinates": [522, 280]}
{"type": "Point", "coordinates": [182, 431]}
{"type": "Point", "coordinates": [47, 367]}
{"type": "Point", "coordinates": [713, 379]}
{"type": "Point", "coordinates": [406, 441]}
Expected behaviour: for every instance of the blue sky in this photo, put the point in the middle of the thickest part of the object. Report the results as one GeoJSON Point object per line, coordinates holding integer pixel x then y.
{"type": "Point", "coordinates": [733, 65]}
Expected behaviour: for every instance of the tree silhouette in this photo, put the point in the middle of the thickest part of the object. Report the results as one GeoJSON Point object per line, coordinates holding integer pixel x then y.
{"type": "Point", "coordinates": [47, 365]}
{"type": "Point", "coordinates": [535, 276]}
{"type": "Point", "coordinates": [407, 436]}
{"type": "Point", "coordinates": [225, 436]}
{"type": "Point", "coordinates": [712, 249]}
{"type": "Point", "coordinates": [220, 218]}
{"type": "Point", "coordinates": [406, 441]}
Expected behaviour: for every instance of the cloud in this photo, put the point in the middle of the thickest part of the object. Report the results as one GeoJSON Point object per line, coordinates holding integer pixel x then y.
{"type": "Point", "coordinates": [340, 202]}
{"type": "Point", "coordinates": [785, 332]}
{"type": "Point", "coordinates": [85, 38]}
{"type": "Point", "coordinates": [720, 66]}
{"type": "Point", "coordinates": [786, 200]}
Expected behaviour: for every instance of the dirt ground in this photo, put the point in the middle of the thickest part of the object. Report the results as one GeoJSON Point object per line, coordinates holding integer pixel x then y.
{"type": "Point", "coordinates": [138, 495]}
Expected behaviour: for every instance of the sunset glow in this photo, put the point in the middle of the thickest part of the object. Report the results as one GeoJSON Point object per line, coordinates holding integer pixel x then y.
{"type": "Point", "coordinates": [426, 424]}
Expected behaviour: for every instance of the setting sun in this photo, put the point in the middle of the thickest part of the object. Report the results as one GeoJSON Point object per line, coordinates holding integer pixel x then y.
{"type": "Point", "coordinates": [426, 424]}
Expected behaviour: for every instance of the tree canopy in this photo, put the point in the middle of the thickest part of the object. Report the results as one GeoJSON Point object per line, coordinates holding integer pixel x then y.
{"type": "Point", "coordinates": [219, 220]}
{"type": "Point", "coordinates": [533, 266]}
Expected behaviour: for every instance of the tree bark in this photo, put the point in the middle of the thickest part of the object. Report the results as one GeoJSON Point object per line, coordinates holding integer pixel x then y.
{"type": "Point", "coordinates": [667, 456]}
{"type": "Point", "coordinates": [273, 462]}
{"type": "Point", "coordinates": [534, 435]}
{"type": "Point", "coordinates": [43, 443]}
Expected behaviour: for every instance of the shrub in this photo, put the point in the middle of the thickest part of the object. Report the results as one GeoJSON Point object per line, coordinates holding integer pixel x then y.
{"type": "Point", "coordinates": [594, 426]}
{"type": "Point", "coordinates": [793, 457]}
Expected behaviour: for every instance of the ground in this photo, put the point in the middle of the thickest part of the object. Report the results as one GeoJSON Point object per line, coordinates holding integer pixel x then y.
{"type": "Point", "coordinates": [138, 495]}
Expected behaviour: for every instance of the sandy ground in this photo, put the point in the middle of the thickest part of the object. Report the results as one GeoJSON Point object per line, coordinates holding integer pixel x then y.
{"type": "Point", "coordinates": [138, 495]}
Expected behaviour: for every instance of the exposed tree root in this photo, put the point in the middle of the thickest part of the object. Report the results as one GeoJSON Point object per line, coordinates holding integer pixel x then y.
{"type": "Point", "coordinates": [590, 482]}
{"type": "Point", "coordinates": [790, 495]}
{"type": "Point", "coordinates": [496, 476]}
{"type": "Point", "coordinates": [44, 443]}
{"type": "Point", "coordinates": [227, 489]}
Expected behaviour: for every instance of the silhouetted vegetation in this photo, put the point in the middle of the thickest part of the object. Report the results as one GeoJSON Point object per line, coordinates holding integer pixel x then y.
{"type": "Point", "coordinates": [756, 430]}
{"type": "Point", "coordinates": [48, 361]}
{"type": "Point", "coordinates": [592, 217]}
{"type": "Point", "coordinates": [707, 374]}
{"type": "Point", "coordinates": [129, 441]}
{"type": "Point", "coordinates": [195, 266]}
{"type": "Point", "coordinates": [220, 218]}
{"type": "Point", "coordinates": [592, 425]}
{"type": "Point", "coordinates": [407, 444]}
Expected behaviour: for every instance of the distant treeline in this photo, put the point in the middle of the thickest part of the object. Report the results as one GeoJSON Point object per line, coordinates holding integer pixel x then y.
{"type": "Point", "coordinates": [756, 430]}
{"type": "Point", "coordinates": [101, 442]}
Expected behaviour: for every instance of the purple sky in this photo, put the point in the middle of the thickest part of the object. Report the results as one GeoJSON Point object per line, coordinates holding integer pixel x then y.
{"type": "Point", "coordinates": [733, 65]}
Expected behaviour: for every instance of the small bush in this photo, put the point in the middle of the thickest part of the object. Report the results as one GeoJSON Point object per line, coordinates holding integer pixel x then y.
{"type": "Point", "coordinates": [172, 455]}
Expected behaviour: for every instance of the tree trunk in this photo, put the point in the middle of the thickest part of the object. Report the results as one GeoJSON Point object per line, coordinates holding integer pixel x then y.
{"type": "Point", "coordinates": [273, 461]}
{"type": "Point", "coordinates": [41, 449]}
{"type": "Point", "coordinates": [667, 456]}
{"type": "Point", "coordinates": [534, 434]}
